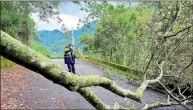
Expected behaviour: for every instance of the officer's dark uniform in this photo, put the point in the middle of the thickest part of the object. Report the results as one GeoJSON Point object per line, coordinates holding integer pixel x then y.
{"type": "Point", "coordinates": [69, 59]}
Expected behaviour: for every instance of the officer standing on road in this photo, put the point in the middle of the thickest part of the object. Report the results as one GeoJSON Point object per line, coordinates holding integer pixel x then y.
{"type": "Point", "coordinates": [69, 58]}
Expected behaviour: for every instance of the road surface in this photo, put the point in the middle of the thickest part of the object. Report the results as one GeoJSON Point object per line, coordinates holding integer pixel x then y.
{"type": "Point", "coordinates": [44, 94]}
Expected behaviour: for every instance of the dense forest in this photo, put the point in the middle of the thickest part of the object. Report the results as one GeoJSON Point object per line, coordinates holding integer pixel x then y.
{"type": "Point", "coordinates": [151, 37]}
{"type": "Point", "coordinates": [16, 20]}
{"type": "Point", "coordinates": [141, 36]}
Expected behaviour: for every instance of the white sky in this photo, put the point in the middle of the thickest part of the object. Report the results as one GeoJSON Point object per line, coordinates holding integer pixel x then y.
{"type": "Point", "coordinates": [69, 21]}
{"type": "Point", "coordinates": [69, 13]}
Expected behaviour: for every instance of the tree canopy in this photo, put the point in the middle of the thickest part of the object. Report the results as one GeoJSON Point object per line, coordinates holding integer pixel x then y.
{"type": "Point", "coordinates": [16, 17]}
{"type": "Point", "coordinates": [138, 36]}
{"type": "Point", "coordinates": [155, 38]}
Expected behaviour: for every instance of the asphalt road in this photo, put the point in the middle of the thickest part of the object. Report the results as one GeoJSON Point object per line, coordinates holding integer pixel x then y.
{"type": "Point", "coordinates": [44, 94]}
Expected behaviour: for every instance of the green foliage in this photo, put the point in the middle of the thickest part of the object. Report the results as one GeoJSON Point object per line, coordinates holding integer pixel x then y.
{"type": "Point", "coordinates": [130, 74]}
{"type": "Point", "coordinates": [132, 36]}
{"type": "Point", "coordinates": [139, 36]}
{"type": "Point", "coordinates": [118, 28]}
{"type": "Point", "coordinates": [5, 63]}
{"type": "Point", "coordinates": [79, 53]}
{"type": "Point", "coordinates": [21, 26]}
{"type": "Point", "coordinates": [39, 48]}
{"type": "Point", "coordinates": [87, 41]}
{"type": "Point", "coordinates": [16, 17]}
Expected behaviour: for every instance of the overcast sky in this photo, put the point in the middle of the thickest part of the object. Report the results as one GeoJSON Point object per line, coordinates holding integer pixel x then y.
{"type": "Point", "coordinates": [70, 14]}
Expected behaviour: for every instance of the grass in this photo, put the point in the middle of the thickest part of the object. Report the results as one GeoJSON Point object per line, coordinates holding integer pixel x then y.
{"type": "Point", "coordinates": [5, 63]}
{"type": "Point", "coordinates": [56, 57]}
{"type": "Point", "coordinates": [130, 74]}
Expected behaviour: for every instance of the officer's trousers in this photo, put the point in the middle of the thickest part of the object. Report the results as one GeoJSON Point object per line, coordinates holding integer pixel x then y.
{"type": "Point", "coordinates": [71, 67]}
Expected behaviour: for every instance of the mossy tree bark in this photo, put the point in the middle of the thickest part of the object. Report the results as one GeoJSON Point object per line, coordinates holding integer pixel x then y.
{"type": "Point", "coordinates": [16, 51]}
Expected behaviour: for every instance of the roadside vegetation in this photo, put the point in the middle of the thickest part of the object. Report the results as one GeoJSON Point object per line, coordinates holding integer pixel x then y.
{"type": "Point", "coordinates": [16, 20]}
{"type": "Point", "coordinates": [131, 75]}
{"type": "Point", "coordinates": [140, 37]}
{"type": "Point", "coordinates": [5, 63]}
{"type": "Point", "coordinates": [39, 48]}
{"type": "Point", "coordinates": [147, 41]}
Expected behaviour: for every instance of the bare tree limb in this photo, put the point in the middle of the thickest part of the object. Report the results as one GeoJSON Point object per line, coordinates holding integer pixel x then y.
{"type": "Point", "coordinates": [92, 98]}
{"type": "Point", "coordinates": [186, 99]}
{"type": "Point", "coordinates": [145, 75]}
{"type": "Point", "coordinates": [168, 36]}
{"type": "Point", "coordinates": [183, 35]}
{"type": "Point", "coordinates": [185, 90]}
{"type": "Point", "coordinates": [187, 66]}
{"type": "Point", "coordinates": [178, 74]}
{"type": "Point", "coordinates": [157, 104]}
{"type": "Point", "coordinates": [169, 93]}
{"type": "Point", "coordinates": [178, 10]}
{"type": "Point", "coordinates": [23, 55]}
{"type": "Point", "coordinates": [181, 94]}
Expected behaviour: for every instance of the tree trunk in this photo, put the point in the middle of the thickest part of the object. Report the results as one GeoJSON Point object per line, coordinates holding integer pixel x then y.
{"type": "Point", "coordinates": [16, 51]}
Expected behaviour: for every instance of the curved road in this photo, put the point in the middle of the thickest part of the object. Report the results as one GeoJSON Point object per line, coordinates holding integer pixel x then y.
{"type": "Point", "coordinates": [44, 94]}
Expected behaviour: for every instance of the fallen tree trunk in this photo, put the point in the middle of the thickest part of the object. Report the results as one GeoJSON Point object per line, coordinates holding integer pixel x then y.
{"type": "Point", "coordinates": [16, 51]}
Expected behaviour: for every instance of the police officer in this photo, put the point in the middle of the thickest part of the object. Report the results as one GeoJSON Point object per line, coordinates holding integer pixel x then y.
{"type": "Point", "coordinates": [69, 58]}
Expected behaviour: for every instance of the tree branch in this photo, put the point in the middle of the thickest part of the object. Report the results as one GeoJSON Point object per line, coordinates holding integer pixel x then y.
{"type": "Point", "coordinates": [23, 55]}
{"type": "Point", "coordinates": [92, 98]}
{"type": "Point", "coordinates": [177, 76]}
{"type": "Point", "coordinates": [178, 32]}
{"type": "Point", "coordinates": [187, 66]}
{"type": "Point", "coordinates": [190, 97]}
{"type": "Point", "coordinates": [145, 75]}
{"type": "Point", "coordinates": [169, 93]}
{"type": "Point", "coordinates": [157, 104]}
{"type": "Point", "coordinates": [178, 10]}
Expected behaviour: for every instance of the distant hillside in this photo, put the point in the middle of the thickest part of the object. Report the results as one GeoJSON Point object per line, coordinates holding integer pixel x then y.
{"type": "Point", "coordinates": [57, 39]}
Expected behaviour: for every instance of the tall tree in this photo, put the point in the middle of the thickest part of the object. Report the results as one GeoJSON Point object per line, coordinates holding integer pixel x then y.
{"type": "Point", "coordinates": [16, 17]}
{"type": "Point", "coordinates": [136, 36]}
